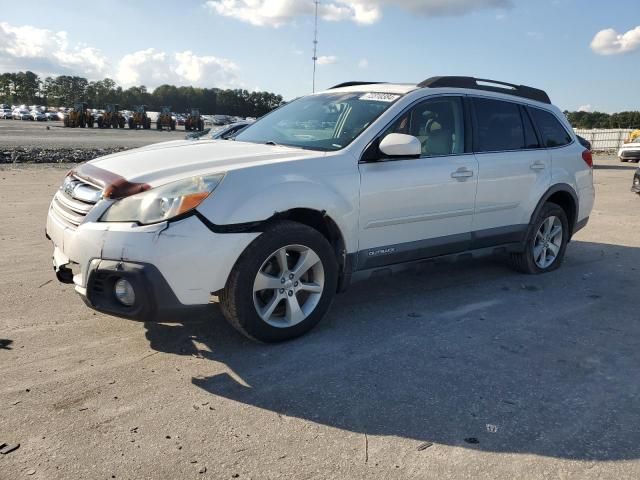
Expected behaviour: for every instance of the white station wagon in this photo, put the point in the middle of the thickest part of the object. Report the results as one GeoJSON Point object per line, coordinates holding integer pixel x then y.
{"type": "Point", "coordinates": [326, 189]}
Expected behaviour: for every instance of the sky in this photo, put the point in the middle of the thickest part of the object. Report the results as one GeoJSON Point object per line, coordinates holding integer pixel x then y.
{"type": "Point", "coordinates": [585, 54]}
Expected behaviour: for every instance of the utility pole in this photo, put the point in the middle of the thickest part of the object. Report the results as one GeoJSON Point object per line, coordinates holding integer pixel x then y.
{"type": "Point", "coordinates": [315, 45]}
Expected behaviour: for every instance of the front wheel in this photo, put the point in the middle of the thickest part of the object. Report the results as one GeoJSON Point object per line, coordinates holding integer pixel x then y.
{"type": "Point", "coordinates": [282, 285]}
{"type": "Point", "coordinates": [546, 244]}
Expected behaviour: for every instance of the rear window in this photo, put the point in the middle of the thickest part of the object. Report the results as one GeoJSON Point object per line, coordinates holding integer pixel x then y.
{"type": "Point", "coordinates": [499, 126]}
{"type": "Point", "coordinates": [552, 131]}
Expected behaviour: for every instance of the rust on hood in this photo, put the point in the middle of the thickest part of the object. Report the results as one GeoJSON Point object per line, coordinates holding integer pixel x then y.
{"type": "Point", "coordinates": [113, 186]}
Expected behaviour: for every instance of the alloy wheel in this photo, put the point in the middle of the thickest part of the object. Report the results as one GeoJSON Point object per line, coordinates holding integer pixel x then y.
{"type": "Point", "coordinates": [548, 242]}
{"type": "Point", "coordinates": [288, 286]}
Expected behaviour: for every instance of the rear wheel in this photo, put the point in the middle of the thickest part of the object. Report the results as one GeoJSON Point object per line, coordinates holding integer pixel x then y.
{"type": "Point", "coordinates": [547, 242]}
{"type": "Point", "coordinates": [282, 285]}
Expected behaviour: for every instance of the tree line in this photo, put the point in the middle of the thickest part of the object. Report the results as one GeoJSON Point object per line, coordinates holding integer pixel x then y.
{"type": "Point", "coordinates": [64, 90]}
{"type": "Point", "coordinates": [604, 120]}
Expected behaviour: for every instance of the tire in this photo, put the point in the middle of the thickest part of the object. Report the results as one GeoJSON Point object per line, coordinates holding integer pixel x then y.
{"type": "Point", "coordinates": [158, 125]}
{"type": "Point", "coordinates": [131, 123]}
{"type": "Point", "coordinates": [173, 125]}
{"type": "Point", "coordinates": [623, 160]}
{"type": "Point", "coordinates": [536, 258]}
{"type": "Point", "coordinates": [201, 125]}
{"type": "Point", "coordinates": [240, 300]}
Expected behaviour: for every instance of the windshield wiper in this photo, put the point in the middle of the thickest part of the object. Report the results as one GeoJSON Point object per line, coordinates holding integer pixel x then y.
{"type": "Point", "coordinates": [271, 142]}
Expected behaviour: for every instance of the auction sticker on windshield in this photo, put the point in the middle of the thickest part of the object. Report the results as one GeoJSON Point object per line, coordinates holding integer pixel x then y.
{"type": "Point", "coordinates": [380, 97]}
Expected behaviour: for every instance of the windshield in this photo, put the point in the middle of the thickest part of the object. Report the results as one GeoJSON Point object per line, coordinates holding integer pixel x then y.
{"type": "Point", "coordinates": [327, 122]}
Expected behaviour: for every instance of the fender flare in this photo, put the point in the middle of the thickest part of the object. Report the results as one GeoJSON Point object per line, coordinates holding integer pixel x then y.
{"type": "Point", "coordinates": [559, 187]}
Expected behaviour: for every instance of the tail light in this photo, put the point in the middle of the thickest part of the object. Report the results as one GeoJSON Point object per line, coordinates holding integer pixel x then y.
{"type": "Point", "coordinates": [588, 159]}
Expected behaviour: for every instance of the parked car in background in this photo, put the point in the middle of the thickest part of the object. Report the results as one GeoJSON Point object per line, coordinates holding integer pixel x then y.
{"type": "Point", "coordinates": [224, 132]}
{"type": "Point", "coordinates": [53, 116]}
{"type": "Point", "coordinates": [38, 116]}
{"type": "Point", "coordinates": [22, 115]}
{"type": "Point", "coordinates": [630, 152]}
{"type": "Point", "coordinates": [635, 187]}
{"type": "Point", "coordinates": [6, 114]}
{"type": "Point", "coordinates": [229, 131]}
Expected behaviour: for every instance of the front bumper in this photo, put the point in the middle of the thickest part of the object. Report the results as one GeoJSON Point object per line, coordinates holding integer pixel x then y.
{"type": "Point", "coordinates": [154, 298]}
{"type": "Point", "coordinates": [175, 265]}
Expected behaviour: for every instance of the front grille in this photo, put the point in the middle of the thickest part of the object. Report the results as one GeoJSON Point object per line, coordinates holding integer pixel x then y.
{"type": "Point", "coordinates": [74, 200]}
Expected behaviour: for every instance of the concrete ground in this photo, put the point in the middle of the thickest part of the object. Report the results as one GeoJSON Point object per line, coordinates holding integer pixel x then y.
{"type": "Point", "coordinates": [19, 133]}
{"type": "Point", "coordinates": [464, 370]}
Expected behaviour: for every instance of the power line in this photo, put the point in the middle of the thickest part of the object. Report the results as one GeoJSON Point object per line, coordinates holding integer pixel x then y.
{"type": "Point", "coordinates": [315, 45]}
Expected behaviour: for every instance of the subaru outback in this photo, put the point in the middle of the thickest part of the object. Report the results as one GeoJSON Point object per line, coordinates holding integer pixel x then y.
{"type": "Point", "coordinates": [322, 191]}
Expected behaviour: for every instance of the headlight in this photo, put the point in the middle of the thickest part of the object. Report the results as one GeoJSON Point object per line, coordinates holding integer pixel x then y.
{"type": "Point", "coordinates": [164, 202]}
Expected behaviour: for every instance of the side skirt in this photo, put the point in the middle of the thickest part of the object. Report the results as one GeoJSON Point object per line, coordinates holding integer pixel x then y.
{"type": "Point", "coordinates": [387, 270]}
{"type": "Point", "coordinates": [390, 259]}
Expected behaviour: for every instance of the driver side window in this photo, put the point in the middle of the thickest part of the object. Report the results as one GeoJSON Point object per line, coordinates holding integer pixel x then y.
{"type": "Point", "coordinates": [438, 123]}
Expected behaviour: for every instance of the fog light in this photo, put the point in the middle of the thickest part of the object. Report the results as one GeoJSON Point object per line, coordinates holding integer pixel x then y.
{"type": "Point", "coordinates": [123, 291]}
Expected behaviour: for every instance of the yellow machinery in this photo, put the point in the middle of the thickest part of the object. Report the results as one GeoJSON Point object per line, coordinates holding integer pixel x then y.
{"type": "Point", "coordinates": [80, 116]}
{"type": "Point", "coordinates": [140, 119]}
{"type": "Point", "coordinates": [194, 121]}
{"type": "Point", "coordinates": [165, 119]}
{"type": "Point", "coordinates": [111, 117]}
{"type": "Point", "coordinates": [632, 136]}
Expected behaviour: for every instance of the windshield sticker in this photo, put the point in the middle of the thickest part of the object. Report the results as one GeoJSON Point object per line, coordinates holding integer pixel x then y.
{"type": "Point", "coordinates": [380, 97]}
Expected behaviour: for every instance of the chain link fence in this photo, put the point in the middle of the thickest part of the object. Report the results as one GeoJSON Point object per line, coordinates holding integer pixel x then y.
{"type": "Point", "coordinates": [604, 139]}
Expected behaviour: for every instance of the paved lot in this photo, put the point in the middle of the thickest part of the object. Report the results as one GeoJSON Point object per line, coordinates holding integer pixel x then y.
{"type": "Point", "coordinates": [507, 376]}
{"type": "Point", "coordinates": [18, 133]}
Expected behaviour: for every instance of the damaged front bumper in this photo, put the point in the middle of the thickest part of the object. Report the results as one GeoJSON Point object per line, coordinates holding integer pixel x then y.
{"type": "Point", "coordinates": [172, 265]}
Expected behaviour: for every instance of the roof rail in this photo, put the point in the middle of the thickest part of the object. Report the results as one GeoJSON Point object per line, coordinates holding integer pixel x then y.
{"type": "Point", "coordinates": [353, 84]}
{"type": "Point", "coordinates": [473, 83]}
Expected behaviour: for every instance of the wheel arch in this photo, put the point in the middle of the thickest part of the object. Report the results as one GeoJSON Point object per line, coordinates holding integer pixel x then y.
{"type": "Point", "coordinates": [564, 196]}
{"type": "Point", "coordinates": [329, 229]}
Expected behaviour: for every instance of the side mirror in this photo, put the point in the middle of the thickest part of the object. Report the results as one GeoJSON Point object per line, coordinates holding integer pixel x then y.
{"type": "Point", "coordinates": [400, 145]}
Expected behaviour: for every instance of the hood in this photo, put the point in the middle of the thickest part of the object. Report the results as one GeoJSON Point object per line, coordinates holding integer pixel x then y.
{"type": "Point", "coordinates": [163, 162]}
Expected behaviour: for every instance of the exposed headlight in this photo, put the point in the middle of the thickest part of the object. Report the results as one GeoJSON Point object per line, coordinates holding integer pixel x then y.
{"type": "Point", "coordinates": [164, 202]}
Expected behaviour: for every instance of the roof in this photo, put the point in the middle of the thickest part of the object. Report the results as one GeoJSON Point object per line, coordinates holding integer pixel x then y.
{"type": "Point", "coordinates": [448, 82]}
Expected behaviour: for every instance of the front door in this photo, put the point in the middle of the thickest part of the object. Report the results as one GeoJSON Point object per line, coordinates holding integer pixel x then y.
{"type": "Point", "coordinates": [413, 208]}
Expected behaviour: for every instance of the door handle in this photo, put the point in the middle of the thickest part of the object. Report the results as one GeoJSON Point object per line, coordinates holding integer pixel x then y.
{"type": "Point", "coordinates": [538, 166]}
{"type": "Point", "coordinates": [462, 173]}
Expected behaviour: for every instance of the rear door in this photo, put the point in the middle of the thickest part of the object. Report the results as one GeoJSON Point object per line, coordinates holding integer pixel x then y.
{"type": "Point", "coordinates": [514, 170]}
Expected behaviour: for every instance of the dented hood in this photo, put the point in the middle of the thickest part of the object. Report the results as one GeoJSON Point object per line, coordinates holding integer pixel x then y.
{"type": "Point", "coordinates": [132, 171]}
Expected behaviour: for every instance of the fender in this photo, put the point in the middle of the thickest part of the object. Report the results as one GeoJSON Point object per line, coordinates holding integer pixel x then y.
{"type": "Point", "coordinates": [234, 207]}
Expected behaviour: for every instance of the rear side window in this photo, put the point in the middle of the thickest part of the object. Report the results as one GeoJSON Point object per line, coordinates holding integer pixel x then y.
{"type": "Point", "coordinates": [499, 126]}
{"type": "Point", "coordinates": [552, 131]}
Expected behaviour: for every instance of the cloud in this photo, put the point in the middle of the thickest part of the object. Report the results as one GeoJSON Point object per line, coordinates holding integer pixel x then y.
{"type": "Point", "coordinates": [363, 63]}
{"type": "Point", "coordinates": [327, 59]}
{"type": "Point", "coordinates": [585, 108]}
{"type": "Point", "coordinates": [24, 46]}
{"type": "Point", "coordinates": [51, 53]}
{"type": "Point", "coordinates": [275, 13]}
{"type": "Point", "coordinates": [152, 68]}
{"type": "Point", "coordinates": [610, 42]}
